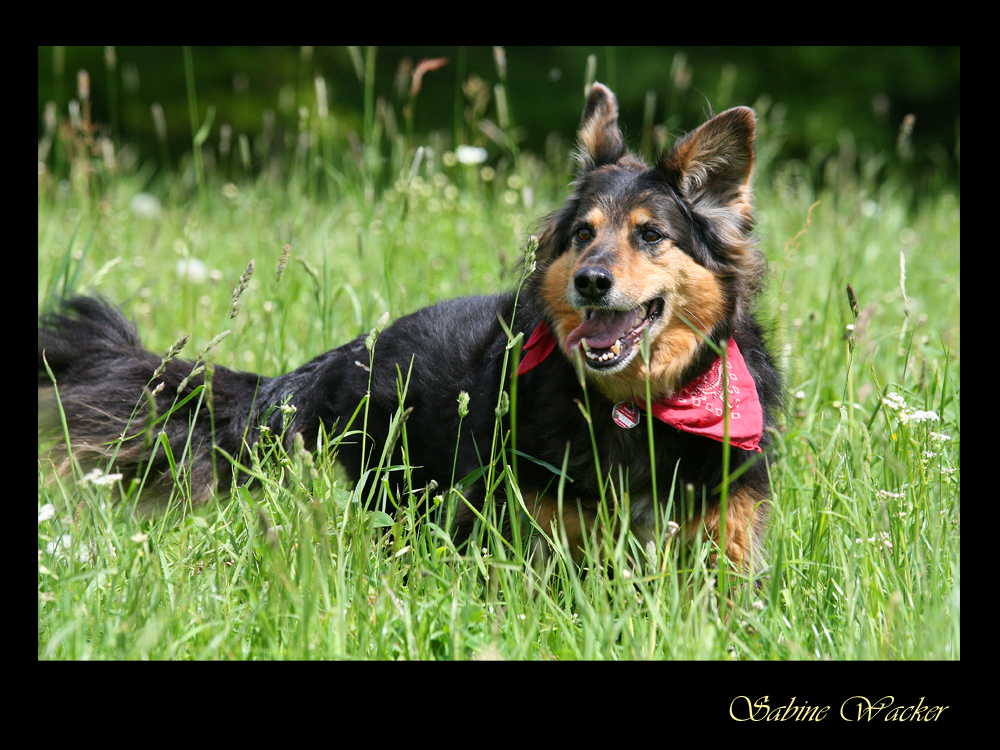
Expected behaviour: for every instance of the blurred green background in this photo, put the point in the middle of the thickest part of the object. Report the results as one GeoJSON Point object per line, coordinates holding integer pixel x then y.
{"type": "Point", "coordinates": [831, 99]}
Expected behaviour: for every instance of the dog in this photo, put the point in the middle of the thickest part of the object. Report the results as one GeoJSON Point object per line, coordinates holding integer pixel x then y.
{"type": "Point", "coordinates": [643, 372]}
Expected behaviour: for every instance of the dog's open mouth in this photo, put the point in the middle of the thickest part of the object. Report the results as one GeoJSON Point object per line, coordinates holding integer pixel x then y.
{"type": "Point", "coordinates": [609, 337]}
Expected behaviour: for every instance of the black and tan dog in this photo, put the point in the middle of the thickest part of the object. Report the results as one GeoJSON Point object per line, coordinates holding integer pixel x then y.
{"type": "Point", "coordinates": [644, 277]}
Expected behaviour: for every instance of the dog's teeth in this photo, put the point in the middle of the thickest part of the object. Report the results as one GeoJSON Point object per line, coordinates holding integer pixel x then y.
{"type": "Point", "coordinates": [616, 348]}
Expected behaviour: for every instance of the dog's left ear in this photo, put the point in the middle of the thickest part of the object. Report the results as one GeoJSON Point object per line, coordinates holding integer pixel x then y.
{"type": "Point", "coordinates": [601, 141]}
{"type": "Point", "coordinates": [712, 164]}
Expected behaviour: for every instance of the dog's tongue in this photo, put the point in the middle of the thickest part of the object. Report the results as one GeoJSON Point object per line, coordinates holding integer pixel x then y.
{"type": "Point", "coordinates": [602, 329]}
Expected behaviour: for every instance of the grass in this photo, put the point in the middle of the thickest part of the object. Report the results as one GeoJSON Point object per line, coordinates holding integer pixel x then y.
{"type": "Point", "coordinates": [864, 540]}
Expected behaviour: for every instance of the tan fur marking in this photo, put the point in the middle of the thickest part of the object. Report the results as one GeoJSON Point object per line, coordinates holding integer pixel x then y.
{"type": "Point", "coordinates": [745, 525]}
{"type": "Point", "coordinates": [553, 292]}
{"type": "Point", "coordinates": [596, 218]}
{"type": "Point", "coordinates": [745, 521]}
{"type": "Point", "coordinates": [640, 217]}
{"type": "Point", "coordinates": [574, 525]}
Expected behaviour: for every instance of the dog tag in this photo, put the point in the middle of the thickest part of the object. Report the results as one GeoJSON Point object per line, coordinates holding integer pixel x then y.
{"type": "Point", "coordinates": [626, 414]}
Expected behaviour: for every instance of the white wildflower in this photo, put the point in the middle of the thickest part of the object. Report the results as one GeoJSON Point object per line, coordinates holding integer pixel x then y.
{"type": "Point", "coordinates": [470, 154]}
{"type": "Point", "coordinates": [919, 416]}
{"type": "Point", "coordinates": [191, 269]}
{"type": "Point", "coordinates": [99, 479]}
{"type": "Point", "coordinates": [145, 206]}
{"type": "Point", "coordinates": [886, 495]}
{"type": "Point", "coordinates": [894, 401]}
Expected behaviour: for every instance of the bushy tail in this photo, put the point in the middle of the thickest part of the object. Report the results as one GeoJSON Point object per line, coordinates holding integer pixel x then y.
{"type": "Point", "coordinates": [120, 401]}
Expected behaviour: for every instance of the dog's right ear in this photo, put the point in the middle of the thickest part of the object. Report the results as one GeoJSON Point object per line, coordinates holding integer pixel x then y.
{"type": "Point", "coordinates": [601, 141]}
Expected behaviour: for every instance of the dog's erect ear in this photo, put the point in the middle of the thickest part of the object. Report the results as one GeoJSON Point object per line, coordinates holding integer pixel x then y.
{"type": "Point", "coordinates": [711, 166]}
{"type": "Point", "coordinates": [601, 141]}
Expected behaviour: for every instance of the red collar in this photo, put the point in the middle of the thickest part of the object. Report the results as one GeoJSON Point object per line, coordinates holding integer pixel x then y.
{"type": "Point", "coordinates": [698, 408]}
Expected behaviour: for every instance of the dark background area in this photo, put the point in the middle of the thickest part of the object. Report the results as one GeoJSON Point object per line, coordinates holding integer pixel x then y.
{"type": "Point", "coordinates": [827, 96]}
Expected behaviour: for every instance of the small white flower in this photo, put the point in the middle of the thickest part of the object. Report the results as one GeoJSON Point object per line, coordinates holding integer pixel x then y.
{"type": "Point", "coordinates": [145, 206]}
{"type": "Point", "coordinates": [894, 401]}
{"type": "Point", "coordinates": [46, 513]}
{"type": "Point", "coordinates": [59, 544]}
{"type": "Point", "coordinates": [886, 495]}
{"type": "Point", "coordinates": [884, 539]}
{"type": "Point", "coordinates": [470, 154]}
{"type": "Point", "coordinates": [921, 416]}
{"type": "Point", "coordinates": [99, 479]}
{"type": "Point", "coordinates": [192, 269]}
{"type": "Point", "coordinates": [881, 538]}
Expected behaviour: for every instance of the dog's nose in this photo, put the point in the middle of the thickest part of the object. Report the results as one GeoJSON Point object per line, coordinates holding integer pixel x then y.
{"type": "Point", "coordinates": [593, 282]}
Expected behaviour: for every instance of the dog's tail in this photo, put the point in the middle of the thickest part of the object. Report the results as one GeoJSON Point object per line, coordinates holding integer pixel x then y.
{"type": "Point", "coordinates": [155, 418]}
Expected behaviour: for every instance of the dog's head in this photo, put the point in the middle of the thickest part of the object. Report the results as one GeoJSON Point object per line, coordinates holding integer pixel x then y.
{"type": "Point", "coordinates": [664, 252]}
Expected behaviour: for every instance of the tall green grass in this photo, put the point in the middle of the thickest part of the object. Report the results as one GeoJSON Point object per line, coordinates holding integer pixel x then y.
{"type": "Point", "coordinates": [864, 541]}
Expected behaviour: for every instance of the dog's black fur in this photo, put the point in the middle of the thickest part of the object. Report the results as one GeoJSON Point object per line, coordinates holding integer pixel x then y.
{"type": "Point", "coordinates": [695, 199]}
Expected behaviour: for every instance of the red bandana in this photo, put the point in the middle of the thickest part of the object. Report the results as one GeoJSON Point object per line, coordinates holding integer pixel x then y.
{"type": "Point", "coordinates": [698, 408]}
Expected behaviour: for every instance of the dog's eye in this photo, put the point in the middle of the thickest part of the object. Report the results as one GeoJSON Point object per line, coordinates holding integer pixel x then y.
{"type": "Point", "coordinates": [651, 235]}
{"type": "Point", "coordinates": [584, 234]}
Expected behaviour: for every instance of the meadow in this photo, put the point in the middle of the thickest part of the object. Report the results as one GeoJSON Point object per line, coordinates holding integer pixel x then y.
{"type": "Point", "coordinates": [864, 300]}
